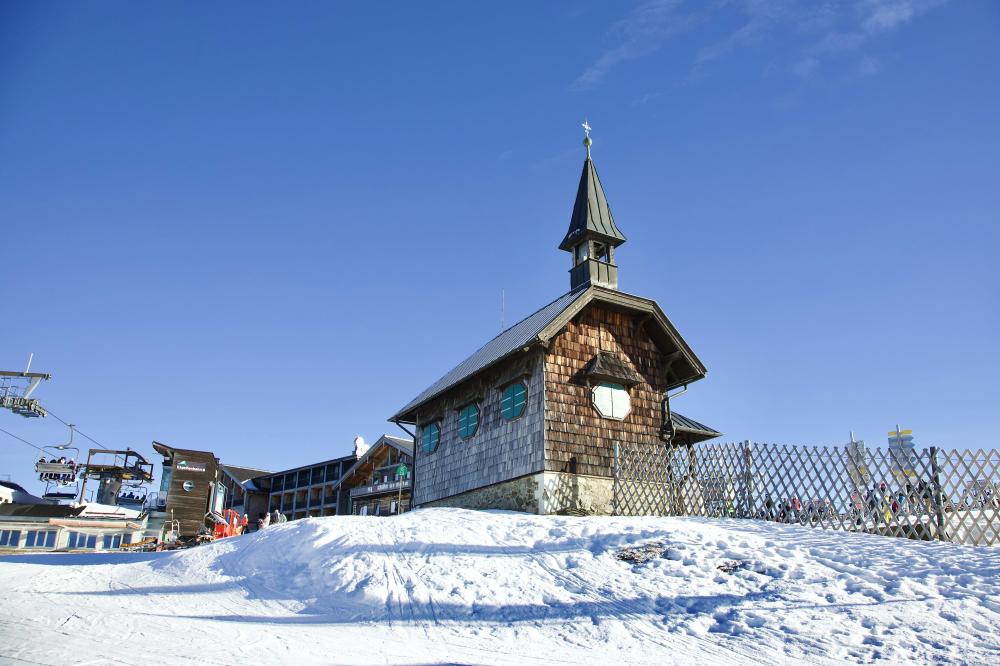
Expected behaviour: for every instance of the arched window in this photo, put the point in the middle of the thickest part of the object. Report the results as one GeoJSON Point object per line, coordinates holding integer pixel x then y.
{"type": "Point", "coordinates": [512, 400]}
{"type": "Point", "coordinates": [468, 421]}
{"type": "Point", "coordinates": [612, 401]}
{"type": "Point", "coordinates": [430, 436]}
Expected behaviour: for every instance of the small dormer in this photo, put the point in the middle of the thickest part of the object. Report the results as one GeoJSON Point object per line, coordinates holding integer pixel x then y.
{"type": "Point", "coordinates": [592, 236]}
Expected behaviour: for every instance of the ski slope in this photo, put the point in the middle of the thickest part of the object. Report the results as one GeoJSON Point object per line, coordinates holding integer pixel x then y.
{"type": "Point", "coordinates": [454, 586]}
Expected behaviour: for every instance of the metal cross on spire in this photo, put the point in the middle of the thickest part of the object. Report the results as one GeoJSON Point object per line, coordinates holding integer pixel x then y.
{"type": "Point", "coordinates": [586, 138]}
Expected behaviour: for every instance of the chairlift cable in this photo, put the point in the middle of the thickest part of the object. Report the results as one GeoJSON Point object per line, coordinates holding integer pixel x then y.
{"type": "Point", "coordinates": [65, 423]}
{"type": "Point", "coordinates": [21, 439]}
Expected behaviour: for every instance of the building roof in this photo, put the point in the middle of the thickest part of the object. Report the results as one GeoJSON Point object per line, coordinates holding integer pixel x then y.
{"type": "Point", "coordinates": [400, 443]}
{"type": "Point", "coordinates": [521, 334]}
{"type": "Point", "coordinates": [310, 465]}
{"type": "Point", "coordinates": [612, 367]}
{"type": "Point", "coordinates": [591, 212]}
{"type": "Point", "coordinates": [39, 510]}
{"type": "Point", "coordinates": [13, 486]}
{"type": "Point", "coordinates": [244, 474]}
{"type": "Point", "coordinates": [21, 496]}
{"type": "Point", "coordinates": [404, 444]}
{"type": "Point", "coordinates": [684, 424]}
{"type": "Point", "coordinates": [545, 323]}
{"type": "Point", "coordinates": [167, 450]}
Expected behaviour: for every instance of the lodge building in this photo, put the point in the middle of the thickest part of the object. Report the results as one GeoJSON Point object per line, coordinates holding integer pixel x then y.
{"type": "Point", "coordinates": [529, 421]}
{"type": "Point", "coordinates": [379, 483]}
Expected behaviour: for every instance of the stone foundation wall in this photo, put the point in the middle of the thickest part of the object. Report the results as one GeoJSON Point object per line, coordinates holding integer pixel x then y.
{"type": "Point", "coordinates": [546, 493]}
{"type": "Point", "coordinates": [576, 494]}
{"type": "Point", "coordinates": [520, 494]}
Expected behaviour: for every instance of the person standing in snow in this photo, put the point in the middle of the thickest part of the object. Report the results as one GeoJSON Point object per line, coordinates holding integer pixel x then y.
{"type": "Point", "coordinates": [275, 517]}
{"type": "Point", "coordinates": [244, 524]}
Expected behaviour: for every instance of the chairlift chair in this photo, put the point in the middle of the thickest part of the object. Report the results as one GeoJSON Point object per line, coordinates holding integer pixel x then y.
{"type": "Point", "coordinates": [132, 495]}
{"type": "Point", "coordinates": [60, 493]}
{"type": "Point", "coordinates": [59, 472]}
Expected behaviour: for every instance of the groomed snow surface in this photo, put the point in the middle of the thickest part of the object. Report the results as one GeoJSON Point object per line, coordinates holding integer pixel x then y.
{"type": "Point", "coordinates": [454, 586]}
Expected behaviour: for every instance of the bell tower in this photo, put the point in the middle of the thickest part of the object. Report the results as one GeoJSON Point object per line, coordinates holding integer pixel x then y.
{"type": "Point", "coordinates": [592, 236]}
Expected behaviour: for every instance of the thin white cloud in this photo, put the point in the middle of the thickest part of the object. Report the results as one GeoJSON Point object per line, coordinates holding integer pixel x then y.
{"type": "Point", "coordinates": [882, 15]}
{"type": "Point", "coordinates": [819, 32]}
{"type": "Point", "coordinates": [641, 32]}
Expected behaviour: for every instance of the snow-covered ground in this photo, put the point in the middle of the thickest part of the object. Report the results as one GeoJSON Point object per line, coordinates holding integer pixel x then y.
{"type": "Point", "coordinates": [453, 586]}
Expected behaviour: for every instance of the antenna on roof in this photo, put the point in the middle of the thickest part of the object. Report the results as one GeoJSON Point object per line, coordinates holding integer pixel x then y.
{"type": "Point", "coordinates": [503, 311]}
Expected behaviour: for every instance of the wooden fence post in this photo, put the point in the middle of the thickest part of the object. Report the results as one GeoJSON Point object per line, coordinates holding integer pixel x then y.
{"type": "Point", "coordinates": [615, 483]}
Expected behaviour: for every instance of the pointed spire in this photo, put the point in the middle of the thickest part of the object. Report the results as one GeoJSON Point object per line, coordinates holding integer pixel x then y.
{"type": "Point", "coordinates": [591, 214]}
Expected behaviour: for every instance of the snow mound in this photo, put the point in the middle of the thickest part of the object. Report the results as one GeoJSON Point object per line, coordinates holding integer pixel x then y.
{"type": "Point", "coordinates": [448, 585]}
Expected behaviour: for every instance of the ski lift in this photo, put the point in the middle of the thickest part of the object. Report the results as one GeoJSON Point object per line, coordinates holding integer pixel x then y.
{"type": "Point", "coordinates": [55, 466]}
{"type": "Point", "coordinates": [16, 389]}
{"type": "Point", "coordinates": [60, 493]}
{"type": "Point", "coordinates": [134, 495]}
{"type": "Point", "coordinates": [59, 469]}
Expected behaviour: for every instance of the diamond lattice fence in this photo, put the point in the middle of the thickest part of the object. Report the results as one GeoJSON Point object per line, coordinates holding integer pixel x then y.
{"type": "Point", "coordinates": [926, 494]}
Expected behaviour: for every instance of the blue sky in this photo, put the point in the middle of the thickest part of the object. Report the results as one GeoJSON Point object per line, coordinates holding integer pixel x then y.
{"type": "Point", "coordinates": [261, 229]}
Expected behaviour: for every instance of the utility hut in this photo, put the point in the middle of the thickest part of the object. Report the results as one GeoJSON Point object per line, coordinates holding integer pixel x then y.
{"type": "Point", "coordinates": [529, 422]}
{"type": "Point", "coordinates": [191, 486]}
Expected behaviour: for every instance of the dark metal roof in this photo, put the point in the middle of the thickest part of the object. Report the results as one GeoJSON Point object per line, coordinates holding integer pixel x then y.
{"type": "Point", "coordinates": [402, 443]}
{"type": "Point", "coordinates": [546, 323]}
{"type": "Point", "coordinates": [682, 422]}
{"type": "Point", "coordinates": [269, 475]}
{"type": "Point", "coordinates": [40, 510]}
{"type": "Point", "coordinates": [591, 212]}
{"type": "Point", "coordinates": [244, 474]}
{"type": "Point", "coordinates": [12, 486]}
{"type": "Point", "coordinates": [517, 336]}
{"type": "Point", "coordinates": [610, 366]}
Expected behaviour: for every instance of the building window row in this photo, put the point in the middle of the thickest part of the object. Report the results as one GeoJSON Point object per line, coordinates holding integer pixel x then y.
{"type": "Point", "coordinates": [74, 540]}
{"type": "Point", "coordinates": [40, 539]}
{"type": "Point", "coordinates": [513, 399]}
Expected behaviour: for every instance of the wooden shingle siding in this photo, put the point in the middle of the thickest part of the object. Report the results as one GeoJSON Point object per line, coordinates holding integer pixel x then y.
{"type": "Point", "coordinates": [577, 439]}
{"type": "Point", "coordinates": [500, 450]}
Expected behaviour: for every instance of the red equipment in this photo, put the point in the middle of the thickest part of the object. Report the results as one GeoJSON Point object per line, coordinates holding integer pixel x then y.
{"type": "Point", "coordinates": [228, 526]}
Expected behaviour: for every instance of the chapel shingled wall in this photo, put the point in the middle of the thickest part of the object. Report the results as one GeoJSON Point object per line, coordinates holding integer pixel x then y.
{"type": "Point", "coordinates": [578, 440]}
{"type": "Point", "coordinates": [500, 450]}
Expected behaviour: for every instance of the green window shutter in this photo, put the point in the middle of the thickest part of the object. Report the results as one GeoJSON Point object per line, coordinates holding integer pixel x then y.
{"type": "Point", "coordinates": [513, 400]}
{"type": "Point", "coordinates": [468, 421]}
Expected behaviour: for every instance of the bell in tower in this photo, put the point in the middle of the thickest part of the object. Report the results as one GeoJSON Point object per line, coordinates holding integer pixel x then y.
{"type": "Point", "coordinates": [592, 236]}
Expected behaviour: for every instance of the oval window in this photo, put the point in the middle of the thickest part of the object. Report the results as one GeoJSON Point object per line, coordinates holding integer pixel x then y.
{"type": "Point", "coordinates": [612, 401]}
{"type": "Point", "coordinates": [468, 421]}
{"type": "Point", "coordinates": [512, 401]}
{"type": "Point", "coordinates": [430, 437]}
{"type": "Point", "coordinates": [188, 486]}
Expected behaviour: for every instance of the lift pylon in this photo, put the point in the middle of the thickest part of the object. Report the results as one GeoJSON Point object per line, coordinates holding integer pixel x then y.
{"type": "Point", "coordinates": [16, 389]}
